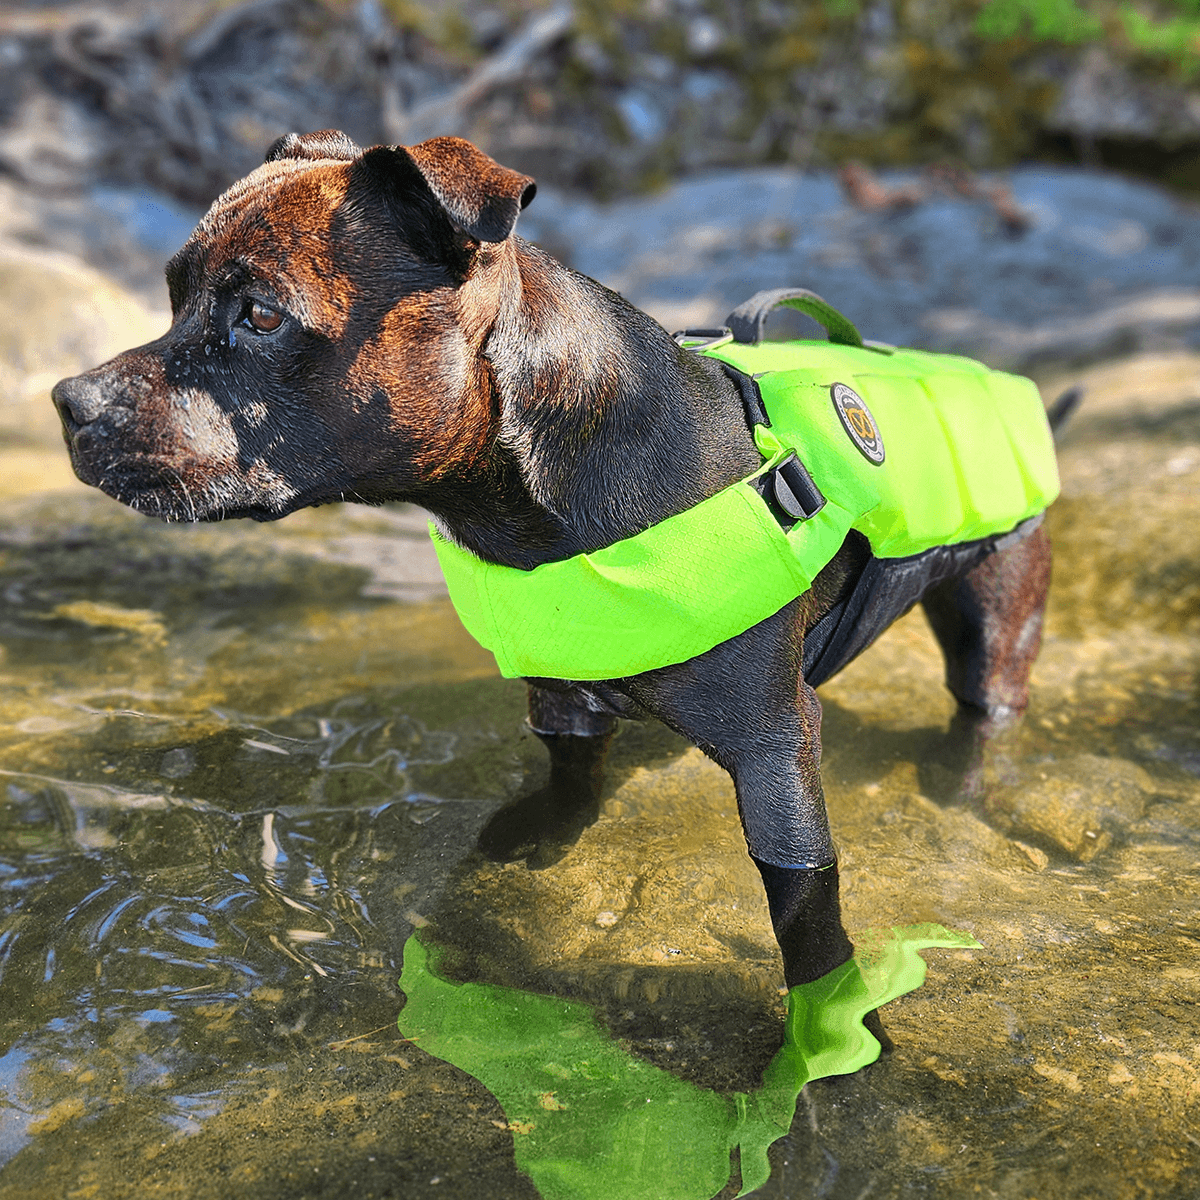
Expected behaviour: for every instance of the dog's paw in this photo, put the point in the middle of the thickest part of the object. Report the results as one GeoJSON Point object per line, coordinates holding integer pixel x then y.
{"type": "Point", "coordinates": [977, 757]}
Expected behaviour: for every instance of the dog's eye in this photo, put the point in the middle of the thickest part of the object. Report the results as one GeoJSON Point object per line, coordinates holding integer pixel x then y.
{"type": "Point", "coordinates": [263, 319]}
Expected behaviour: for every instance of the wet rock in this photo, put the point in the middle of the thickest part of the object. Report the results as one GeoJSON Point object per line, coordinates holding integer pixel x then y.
{"type": "Point", "coordinates": [1075, 807]}
{"type": "Point", "coordinates": [57, 317]}
{"type": "Point", "coordinates": [952, 832]}
{"type": "Point", "coordinates": [1103, 265]}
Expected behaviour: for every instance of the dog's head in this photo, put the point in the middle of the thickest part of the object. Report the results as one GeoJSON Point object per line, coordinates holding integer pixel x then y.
{"type": "Point", "coordinates": [328, 314]}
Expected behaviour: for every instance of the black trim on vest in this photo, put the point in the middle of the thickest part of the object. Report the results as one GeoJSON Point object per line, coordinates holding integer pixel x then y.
{"type": "Point", "coordinates": [884, 592]}
{"type": "Point", "coordinates": [789, 489]}
{"type": "Point", "coordinates": [751, 394]}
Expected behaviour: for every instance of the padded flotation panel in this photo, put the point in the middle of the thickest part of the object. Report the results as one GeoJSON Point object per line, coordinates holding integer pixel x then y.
{"type": "Point", "coordinates": [912, 449]}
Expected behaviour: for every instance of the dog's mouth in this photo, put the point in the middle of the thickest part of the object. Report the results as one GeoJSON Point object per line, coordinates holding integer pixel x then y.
{"type": "Point", "coordinates": [183, 455]}
{"type": "Point", "coordinates": [157, 489]}
{"type": "Point", "coordinates": [171, 482]}
{"type": "Point", "coordinates": [142, 484]}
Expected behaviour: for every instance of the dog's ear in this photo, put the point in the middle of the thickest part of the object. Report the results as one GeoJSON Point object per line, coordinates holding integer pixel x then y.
{"type": "Point", "coordinates": [326, 143]}
{"type": "Point", "coordinates": [481, 198]}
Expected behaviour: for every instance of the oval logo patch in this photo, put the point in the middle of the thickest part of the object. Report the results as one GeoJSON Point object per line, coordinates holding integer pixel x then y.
{"type": "Point", "coordinates": [858, 423]}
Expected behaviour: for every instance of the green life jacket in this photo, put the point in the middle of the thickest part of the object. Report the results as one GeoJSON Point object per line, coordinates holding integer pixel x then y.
{"type": "Point", "coordinates": [912, 449]}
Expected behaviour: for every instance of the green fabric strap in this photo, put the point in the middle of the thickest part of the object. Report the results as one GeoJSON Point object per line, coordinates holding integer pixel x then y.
{"type": "Point", "coordinates": [968, 453]}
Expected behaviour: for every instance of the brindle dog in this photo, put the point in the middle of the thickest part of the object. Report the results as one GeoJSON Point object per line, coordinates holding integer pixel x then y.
{"type": "Point", "coordinates": [354, 325]}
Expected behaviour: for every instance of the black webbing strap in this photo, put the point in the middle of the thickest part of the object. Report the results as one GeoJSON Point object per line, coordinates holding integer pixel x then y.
{"type": "Point", "coordinates": [748, 389]}
{"type": "Point", "coordinates": [788, 488]}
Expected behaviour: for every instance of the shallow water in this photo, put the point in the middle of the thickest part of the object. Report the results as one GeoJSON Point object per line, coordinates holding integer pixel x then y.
{"type": "Point", "coordinates": [241, 765]}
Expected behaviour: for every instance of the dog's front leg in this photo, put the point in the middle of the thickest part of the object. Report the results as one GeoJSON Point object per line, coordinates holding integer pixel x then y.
{"type": "Point", "coordinates": [745, 704]}
{"type": "Point", "coordinates": [782, 806]}
{"type": "Point", "coordinates": [541, 826]}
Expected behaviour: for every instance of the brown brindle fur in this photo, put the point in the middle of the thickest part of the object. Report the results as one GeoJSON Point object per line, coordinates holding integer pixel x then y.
{"type": "Point", "coordinates": [366, 326]}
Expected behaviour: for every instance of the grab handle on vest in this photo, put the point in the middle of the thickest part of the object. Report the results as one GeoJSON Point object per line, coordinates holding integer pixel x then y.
{"type": "Point", "coordinates": [748, 321]}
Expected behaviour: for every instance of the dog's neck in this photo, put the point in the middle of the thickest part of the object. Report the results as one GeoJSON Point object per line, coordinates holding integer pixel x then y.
{"type": "Point", "coordinates": [599, 425]}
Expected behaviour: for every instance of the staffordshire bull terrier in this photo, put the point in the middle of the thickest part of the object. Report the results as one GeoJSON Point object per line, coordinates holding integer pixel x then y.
{"type": "Point", "coordinates": [355, 325]}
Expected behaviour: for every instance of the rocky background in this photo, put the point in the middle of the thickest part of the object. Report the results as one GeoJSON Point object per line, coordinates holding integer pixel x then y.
{"type": "Point", "coordinates": [978, 175]}
{"type": "Point", "coordinates": [608, 97]}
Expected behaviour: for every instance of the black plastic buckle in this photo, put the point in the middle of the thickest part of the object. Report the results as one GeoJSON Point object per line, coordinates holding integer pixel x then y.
{"type": "Point", "coordinates": [793, 490]}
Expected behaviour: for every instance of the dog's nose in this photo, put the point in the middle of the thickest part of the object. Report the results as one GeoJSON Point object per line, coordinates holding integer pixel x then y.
{"type": "Point", "coordinates": [79, 400]}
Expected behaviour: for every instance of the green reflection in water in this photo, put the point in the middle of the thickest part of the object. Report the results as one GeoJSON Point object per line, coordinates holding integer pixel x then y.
{"type": "Point", "coordinates": [592, 1122]}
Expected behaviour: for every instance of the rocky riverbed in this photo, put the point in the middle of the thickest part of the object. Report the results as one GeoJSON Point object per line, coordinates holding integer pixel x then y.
{"type": "Point", "coordinates": [239, 765]}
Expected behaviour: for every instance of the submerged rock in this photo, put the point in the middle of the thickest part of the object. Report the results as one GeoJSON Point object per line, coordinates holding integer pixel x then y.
{"type": "Point", "coordinates": [1126, 563]}
{"type": "Point", "coordinates": [1075, 807]}
{"type": "Point", "coordinates": [606, 923]}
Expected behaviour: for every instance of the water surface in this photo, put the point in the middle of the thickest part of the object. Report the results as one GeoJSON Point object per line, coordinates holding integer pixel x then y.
{"type": "Point", "coordinates": [240, 765]}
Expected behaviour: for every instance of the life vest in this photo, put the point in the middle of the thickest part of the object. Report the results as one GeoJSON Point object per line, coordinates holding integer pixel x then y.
{"type": "Point", "coordinates": [912, 449]}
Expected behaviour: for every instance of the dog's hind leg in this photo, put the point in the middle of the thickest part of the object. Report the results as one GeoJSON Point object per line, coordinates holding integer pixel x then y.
{"type": "Point", "coordinates": [541, 826]}
{"type": "Point", "coordinates": [989, 625]}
